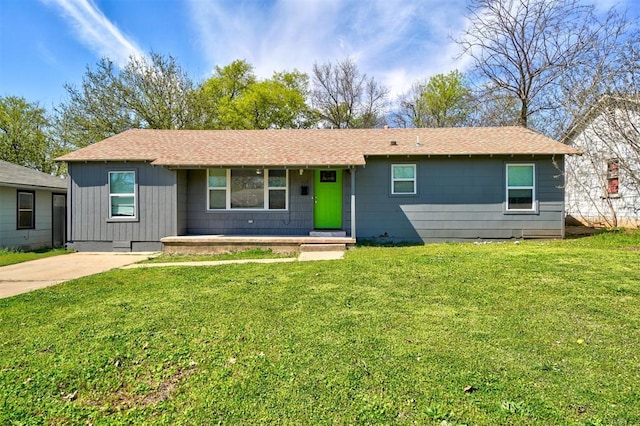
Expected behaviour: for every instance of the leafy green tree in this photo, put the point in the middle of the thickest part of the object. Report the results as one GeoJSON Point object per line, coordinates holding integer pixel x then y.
{"type": "Point", "coordinates": [234, 99]}
{"type": "Point", "coordinates": [24, 135]}
{"type": "Point", "coordinates": [149, 92]}
{"type": "Point", "coordinates": [217, 96]}
{"type": "Point", "coordinates": [444, 100]}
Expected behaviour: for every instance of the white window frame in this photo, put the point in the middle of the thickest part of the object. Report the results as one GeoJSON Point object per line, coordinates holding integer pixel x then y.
{"type": "Point", "coordinates": [134, 195]}
{"type": "Point", "coordinates": [414, 180]}
{"type": "Point", "coordinates": [265, 175]}
{"type": "Point", "coordinates": [532, 187]}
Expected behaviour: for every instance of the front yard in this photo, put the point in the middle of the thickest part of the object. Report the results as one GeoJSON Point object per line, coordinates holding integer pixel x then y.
{"type": "Point", "coordinates": [503, 333]}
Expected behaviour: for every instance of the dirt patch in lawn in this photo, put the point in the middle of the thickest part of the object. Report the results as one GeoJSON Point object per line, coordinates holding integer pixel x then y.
{"type": "Point", "coordinates": [124, 399]}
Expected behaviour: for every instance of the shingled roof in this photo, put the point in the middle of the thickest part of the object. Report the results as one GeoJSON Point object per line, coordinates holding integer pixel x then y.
{"type": "Point", "coordinates": [310, 147]}
{"type": "Point", "coordinates": [19, 176]}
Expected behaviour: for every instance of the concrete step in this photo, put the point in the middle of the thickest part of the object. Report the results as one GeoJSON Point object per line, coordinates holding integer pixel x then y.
{"type": "Point", "coordinates": [328, 233]}
{"type": "Point", "coordinates": [322, 247]}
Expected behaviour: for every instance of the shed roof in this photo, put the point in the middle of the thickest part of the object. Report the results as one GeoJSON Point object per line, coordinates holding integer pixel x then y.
{"type": "Point", "coordinates": [15, 175]}
{"type": "Point", "coordinates": [310, 147]}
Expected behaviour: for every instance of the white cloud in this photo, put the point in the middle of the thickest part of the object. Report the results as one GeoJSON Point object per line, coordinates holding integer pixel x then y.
{"type": "Point", "coordinates": [95, 31]}
{"type": "Point", "coordinates": [395, 41]}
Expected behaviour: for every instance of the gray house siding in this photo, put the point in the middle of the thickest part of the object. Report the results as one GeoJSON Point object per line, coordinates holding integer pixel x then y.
{"type": "Point", "coordinates": [181, 198]}
{"type": "Point", "coordinates": [298, 220]}
{"type": "Point", "coordinates": [26, 239]}
{"type": "Point", "coordinates": [89, 224]}
{"type": "Point", "coordinates": [457, 199]}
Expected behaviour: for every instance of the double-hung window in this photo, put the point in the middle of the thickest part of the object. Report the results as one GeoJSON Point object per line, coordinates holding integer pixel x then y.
{"type": "Point", "coordinates": [521, 187]}
{"type": "Point", "coordinates": [122, 195]}
{"type": "Point", "coordinates": [26, 210]}
{"type": "Point", "coordinates": [247, 189]}
{"type": "Point", "coordinates": [613, 177]}
{"type": "Point", "coordinates": [403, 179]}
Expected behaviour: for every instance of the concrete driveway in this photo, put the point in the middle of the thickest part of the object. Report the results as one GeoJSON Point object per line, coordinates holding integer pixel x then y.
{"type": "Point", "coordinates": [27, 276]}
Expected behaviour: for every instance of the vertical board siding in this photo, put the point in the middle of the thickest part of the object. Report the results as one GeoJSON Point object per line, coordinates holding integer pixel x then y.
{"type": "Point", "coordinates": [457, 199]}
{"type": "Point", "coordinates": [89, 210]}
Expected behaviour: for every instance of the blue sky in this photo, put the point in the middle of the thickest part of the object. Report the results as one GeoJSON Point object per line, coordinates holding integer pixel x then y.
{"type": "Point", "coordinates": [47, 43]}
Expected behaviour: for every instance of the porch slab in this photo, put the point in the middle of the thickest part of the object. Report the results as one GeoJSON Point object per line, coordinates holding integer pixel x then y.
{"type": "Point", "coordinates": [206, 244]}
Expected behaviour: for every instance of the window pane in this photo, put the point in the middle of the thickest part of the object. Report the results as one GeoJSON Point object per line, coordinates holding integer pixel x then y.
{"type": "Point", "coordinates": [277, 199]}
{"type": "Point", "coordinates": [217, 199]}
{"type": "Point", "coordinates": [25, 200]}
{"type": "Point", "coordinates": [520, 199]}
{"type": "Point", "coordinates": [520, 175]}
{"type": "Point", "coordinates": [122, 206]}
{"type": "Point", "coordinates": [328, 176]}
{"type": "Point", "coordinates": [25, 219]}
{"type": "Point", "coordinates": [247, 189]}
{"type": "Point", "coordinates": [403, 172]}
{"type": "Point", "coordinates": [122, 182]}
{"type": "Point", "coordinates": [403, 187]}
{"type": "Point", "coordinates": [217, 178]}
{"type": "Point", "coordinates": [277, 178]}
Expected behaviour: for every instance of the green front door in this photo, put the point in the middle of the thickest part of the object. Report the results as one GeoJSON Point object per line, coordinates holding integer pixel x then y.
{"type": "Point", "coordinates": [328, 199]}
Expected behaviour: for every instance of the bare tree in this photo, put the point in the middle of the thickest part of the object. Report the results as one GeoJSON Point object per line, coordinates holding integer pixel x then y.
{"type": "Point", "coordinates": [346, 98]}
{"type": "Point", "coordinates": [410, 111]}
{"type": "Point", "coordinates": [610, 66]}
{"type": "Point", "coordinates": [532, 49]}
{"type": "Point", "coordinates": [494, 107]}
{"type": "Point", "coordinates": [149, 92]}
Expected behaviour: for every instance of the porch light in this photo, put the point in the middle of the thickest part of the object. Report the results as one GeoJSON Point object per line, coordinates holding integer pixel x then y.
{"type": "Point", "coordinates": [301, 172]}
{"type": "Point", "coordinates": [258, 171]}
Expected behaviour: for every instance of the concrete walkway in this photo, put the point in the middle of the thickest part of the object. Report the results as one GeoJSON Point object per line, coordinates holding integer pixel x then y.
{"type": "Point", "coordinates": [302, 257]}
{"type": "Point", "coordinates": [27, 276]}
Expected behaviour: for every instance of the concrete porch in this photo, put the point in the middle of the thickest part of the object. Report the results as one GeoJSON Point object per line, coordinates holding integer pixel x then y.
{"type": "Point", "coordinates": [205, 244]}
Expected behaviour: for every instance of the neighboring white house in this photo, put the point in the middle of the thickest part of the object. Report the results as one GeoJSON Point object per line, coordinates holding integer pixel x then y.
{"type": "Point", "coordinates": [32, 208]}
{"type": "Point", "coordinates": [603, 185]}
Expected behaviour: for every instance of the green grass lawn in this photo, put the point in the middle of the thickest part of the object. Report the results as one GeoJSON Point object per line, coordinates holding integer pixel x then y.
{"type": "Point", "coordinates": [9, 257]}
{"type": "Point", "coordinates": [541, 332]}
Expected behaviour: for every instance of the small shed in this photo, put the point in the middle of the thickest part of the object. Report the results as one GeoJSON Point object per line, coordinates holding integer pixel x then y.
{"type": "Point", "coordinates": [32, 208]}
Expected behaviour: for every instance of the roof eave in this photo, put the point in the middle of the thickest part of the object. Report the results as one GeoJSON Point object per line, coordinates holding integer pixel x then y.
{"type": "Point", "coordinates": [34, 187]}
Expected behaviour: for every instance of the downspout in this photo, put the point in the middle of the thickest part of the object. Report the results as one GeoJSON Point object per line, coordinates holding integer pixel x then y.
{"type": "Point", "coordinates": [353, 203]}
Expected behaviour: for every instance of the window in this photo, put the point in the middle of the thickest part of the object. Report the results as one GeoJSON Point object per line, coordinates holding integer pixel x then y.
{"type": "Point", "coordinates": [26, 210]}
{"type": "Point", "coordinates": [247, 189]}
{"type": "Point", "coordinates": [520, 187]}
{"type": "Point", "coordinates": [328, 176]}
{"type": "Point", "coordinates": [122, 195]}
{"type": "Point", "coordinates": [217, 188]}
{"type": "Point", "coordinates": [613, 176]}
{"type": "Point", "coordinates": [277, 189]}
{"type": "Point", "coordinates": [403, 178]}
